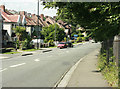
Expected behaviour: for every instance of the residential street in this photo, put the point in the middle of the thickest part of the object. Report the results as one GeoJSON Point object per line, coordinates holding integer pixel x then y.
{"type": "Point", "coordinates": [42, 69]}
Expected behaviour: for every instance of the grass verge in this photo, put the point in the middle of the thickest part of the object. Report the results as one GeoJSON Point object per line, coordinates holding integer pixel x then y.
{"type": "Point", "coordinates": [53, 47]}
{"type": "Point", "coordinates": [31, 49]}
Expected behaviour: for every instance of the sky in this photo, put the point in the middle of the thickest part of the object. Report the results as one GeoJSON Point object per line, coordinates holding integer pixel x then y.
{"type": "Point", "coordinates": [27, 5]}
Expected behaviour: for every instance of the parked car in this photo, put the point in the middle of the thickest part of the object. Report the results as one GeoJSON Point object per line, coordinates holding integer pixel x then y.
{"type": "Point", "coordinates": [62, 45]}
{"type": "Point", "coordinates": [69, 44]}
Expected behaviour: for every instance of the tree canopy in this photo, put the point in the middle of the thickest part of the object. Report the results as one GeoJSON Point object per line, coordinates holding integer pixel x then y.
{"type": "Point", "coordinates": [103, 18]}
{"type": "Point", "coordinates": [49, 33]}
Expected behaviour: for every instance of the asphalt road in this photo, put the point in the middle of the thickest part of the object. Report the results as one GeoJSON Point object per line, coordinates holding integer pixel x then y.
{"type": "Point", "coordinates": [42, 69]}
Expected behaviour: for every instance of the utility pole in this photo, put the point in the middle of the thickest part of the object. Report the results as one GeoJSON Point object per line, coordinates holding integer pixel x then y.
{"type": "Point", "coordinates": [55, 32]}
{"type": "Point", "coordinates": [1, 28]}
{"type": "Point", "coordinates": [38, 23]}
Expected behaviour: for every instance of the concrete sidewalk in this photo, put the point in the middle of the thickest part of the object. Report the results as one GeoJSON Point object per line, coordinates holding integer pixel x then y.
{"type": "Point", "coordinates": [86, 73]}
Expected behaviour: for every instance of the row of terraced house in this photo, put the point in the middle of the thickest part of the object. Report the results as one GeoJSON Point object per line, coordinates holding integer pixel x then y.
{"type": "Point", "coordinates": [10, 19]}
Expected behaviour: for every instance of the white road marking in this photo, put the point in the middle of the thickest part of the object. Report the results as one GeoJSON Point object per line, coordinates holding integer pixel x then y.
{"type": "Point", "coordinates": [17, 65]}
{"type": "Point", "coordinates": [1, 57]}
{"type": "Point", "coordinates": [3, 70]}
{"type": "Point", "coordinates": [36, 60]}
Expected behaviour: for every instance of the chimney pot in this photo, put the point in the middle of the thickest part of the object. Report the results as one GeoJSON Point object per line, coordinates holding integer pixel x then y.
{"type": "Point", "coordinates": [22, 12]}
{"type": "Point", "coordinates": [42, 16]}
{"type": "Point", "coordinates": [2, 7]}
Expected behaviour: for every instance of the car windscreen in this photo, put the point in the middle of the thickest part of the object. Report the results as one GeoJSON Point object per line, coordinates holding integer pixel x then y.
{"type": "Point", "coordinates": [61, 43]}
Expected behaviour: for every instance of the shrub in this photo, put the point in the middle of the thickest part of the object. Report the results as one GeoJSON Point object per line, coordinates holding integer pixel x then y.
{"type": "Point", "coordinates": [65, 39]}
{"type": "Point", "coordinates": [79, 39]}
{"type": "Point", "coordinates": [86, 38]}
{"type": "Point", "coordinates": [72, 41]}
{"type": "Point", "coordinates": [109, 71]}
{"type": "Point", "coordinates": [26, 44]}
{"type": "Point", "coordinates": [51, 43]}
{"type": "Point", "coordinates": [83, 38]}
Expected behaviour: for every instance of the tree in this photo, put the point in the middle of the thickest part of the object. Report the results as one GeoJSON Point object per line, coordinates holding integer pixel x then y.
{"type": "Point", "coordinates": [20, 32]}
{"type": "Point", "coordinates": [103, 18]}
{"type": "Point", "coordinates": [49, 33]}
{"type": "Point", "coordinates": [23, 38]}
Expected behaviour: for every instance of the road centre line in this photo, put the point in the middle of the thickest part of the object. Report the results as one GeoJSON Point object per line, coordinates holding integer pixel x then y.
{"type": "Point", "coordinates": [3, 70]}
{"type": "Point", "coordinates": [17, 65]}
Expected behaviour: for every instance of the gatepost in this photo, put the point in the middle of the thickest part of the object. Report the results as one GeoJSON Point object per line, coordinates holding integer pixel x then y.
{"type": "Point", "coordinates": [116, 48]}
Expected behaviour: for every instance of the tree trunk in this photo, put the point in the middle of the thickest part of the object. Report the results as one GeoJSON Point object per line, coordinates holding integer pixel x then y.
{"type": "Point", "coordinates": [107, 52]}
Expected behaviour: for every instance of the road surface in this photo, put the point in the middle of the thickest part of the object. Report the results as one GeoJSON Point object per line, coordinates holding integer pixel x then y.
{"type": "Point", "coordinates": [42, 69]}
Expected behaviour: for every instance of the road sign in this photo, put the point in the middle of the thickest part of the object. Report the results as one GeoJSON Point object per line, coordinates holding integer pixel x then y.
{"type": "Point", "coordinates": [75, 35]}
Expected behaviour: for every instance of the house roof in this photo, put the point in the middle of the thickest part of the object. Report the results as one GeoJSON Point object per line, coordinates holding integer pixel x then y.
{"type": "Point", "coordinates": [41, 22]}
{"type": "Point", "coordinates": [50, 20]}
{"type": "Point", "coordinates": [30, 21]}
{"type": "Point", "coordinates": [9, 18]}
{"type": "Point", "coordinates": [8, 12]}
{"type": "Point", "coordinates": [0, 17]}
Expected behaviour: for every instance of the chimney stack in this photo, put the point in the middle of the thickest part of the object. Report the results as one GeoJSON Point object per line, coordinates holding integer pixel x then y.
{"type": "Point", "coordinates": [22, 12]}
{"type": "Point", "coordinates": [46, 16]}
{"type": "Point", "coordinates": [42, 16]}
{"type": "Point", "coordinates": [2, 7]}
{"type": "Point", "coordinates": [33, 15]}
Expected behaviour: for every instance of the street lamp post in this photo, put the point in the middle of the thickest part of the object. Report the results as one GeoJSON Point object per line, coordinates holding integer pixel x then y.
{"type": "Point", "coordinates": [55, 32]}
{"type": "Point", "coordinates": [38, 23]}
{"type": "Point", "coordinates": [1, 28]}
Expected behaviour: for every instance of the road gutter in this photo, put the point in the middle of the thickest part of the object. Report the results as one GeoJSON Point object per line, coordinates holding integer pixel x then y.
{"type": "Point", "coordinates": [63, 81]}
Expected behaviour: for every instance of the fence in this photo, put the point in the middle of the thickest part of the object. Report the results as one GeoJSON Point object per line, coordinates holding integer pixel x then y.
{"type": "Point", "coordinates": [116, 48]}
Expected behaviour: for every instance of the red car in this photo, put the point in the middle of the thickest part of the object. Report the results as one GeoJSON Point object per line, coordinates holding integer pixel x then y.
{"type": "Point", "coordinates": [62, 45]}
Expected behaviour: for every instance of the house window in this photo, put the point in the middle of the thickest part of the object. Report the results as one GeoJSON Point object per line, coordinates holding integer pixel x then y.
{"type": "Point", "coordinates": [48, 22]}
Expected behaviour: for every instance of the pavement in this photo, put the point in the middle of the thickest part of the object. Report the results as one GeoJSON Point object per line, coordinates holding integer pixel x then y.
{"type": "Point", "coordinates": [85, 74]}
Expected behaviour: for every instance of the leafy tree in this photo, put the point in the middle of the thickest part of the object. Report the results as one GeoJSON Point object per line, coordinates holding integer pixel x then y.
{"type": "Point", "coordinates": [103, 18]}
{"type": "Point", "coordinates": [20, 32]}
{"type": "Point", "coordinates": [49, 33]}
{"type": "Point", "coordinates": [23, 38]}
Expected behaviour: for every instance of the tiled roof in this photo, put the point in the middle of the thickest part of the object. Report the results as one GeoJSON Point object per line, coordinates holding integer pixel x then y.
{"type": "Point", "coordinates": [50, 20]}
{"type": "Point", "coordinates": [30, 21]}
{"type": "Point", "coordinates": [35, 18]}
{"type": "Point", "coordinates": [9, 18]}
{"type": "Point", "coordinates": [9, 13]}
{"type": "Point", "coordinates": [0, 17]}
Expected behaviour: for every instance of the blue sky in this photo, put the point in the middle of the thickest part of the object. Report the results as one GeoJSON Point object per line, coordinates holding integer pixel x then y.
{"type": "Point", "coordinates": [27, 5]}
